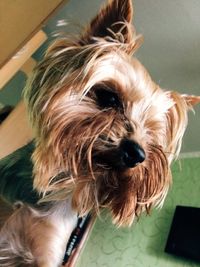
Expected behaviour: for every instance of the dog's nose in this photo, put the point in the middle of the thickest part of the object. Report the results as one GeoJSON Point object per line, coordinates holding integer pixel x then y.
{"type": "Point", "coordinates": [132, 153]}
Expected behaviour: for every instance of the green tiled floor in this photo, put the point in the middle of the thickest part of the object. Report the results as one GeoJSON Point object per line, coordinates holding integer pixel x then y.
{"type": "Point", "coordinates": [143, 244]}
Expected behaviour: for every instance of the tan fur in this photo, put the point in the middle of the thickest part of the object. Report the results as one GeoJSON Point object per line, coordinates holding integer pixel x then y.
{"type": "Point", "coordinates": [35, 237]}
{"type": "Point", "coordinates": [69, 127]}
{"type": "Point", "coordinates": [68, 124]}
{"type": "Point", "coordinates": [72, 131]}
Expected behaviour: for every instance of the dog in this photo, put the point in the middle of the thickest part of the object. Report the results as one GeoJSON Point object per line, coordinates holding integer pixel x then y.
{"type": "Point", "coordinates": [105, 136]}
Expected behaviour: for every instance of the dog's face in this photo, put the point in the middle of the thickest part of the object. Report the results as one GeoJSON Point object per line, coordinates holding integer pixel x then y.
{"type": "Point", "coordinates": [105, 132]}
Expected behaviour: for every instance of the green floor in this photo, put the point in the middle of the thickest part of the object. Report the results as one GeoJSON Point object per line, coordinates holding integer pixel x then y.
{"type": "Point", "coordinates": [143, 244]}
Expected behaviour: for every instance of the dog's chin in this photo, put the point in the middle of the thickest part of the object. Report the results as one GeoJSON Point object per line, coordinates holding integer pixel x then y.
{"type": "Point", "coordinates": [125, 193]}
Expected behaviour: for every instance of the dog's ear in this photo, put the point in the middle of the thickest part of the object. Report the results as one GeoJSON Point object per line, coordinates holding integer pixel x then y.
{"type": "Point", "coordinates": [191, 100]}
{"type": "Point", "coordinates": [112, 20]}
{"type": "Point", "coordinates": [177, 120]}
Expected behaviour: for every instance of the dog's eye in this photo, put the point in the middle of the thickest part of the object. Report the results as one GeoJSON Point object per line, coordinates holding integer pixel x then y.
{"type": "Point", "coordinates": [107, 99]}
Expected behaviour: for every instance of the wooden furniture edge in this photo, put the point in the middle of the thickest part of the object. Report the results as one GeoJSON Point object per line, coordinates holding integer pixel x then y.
{"type": "Point", "coordinates": [23, 43]}
{"type": "Point", "coordinates": [15, 131]}
{"type": "Point", "coordinates": [17, 62]}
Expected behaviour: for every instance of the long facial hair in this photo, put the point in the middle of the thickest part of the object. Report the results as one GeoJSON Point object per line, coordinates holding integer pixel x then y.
{"type": "Point", "coordinates": [73, 133]}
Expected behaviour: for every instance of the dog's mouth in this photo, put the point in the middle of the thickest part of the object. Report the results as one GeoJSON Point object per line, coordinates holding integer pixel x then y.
{"type": "Point", "coordinates": [128, 190]}
{"type": "Point", "coordinates": [124, 188]}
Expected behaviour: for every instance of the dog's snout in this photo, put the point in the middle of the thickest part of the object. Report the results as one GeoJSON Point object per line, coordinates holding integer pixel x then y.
{"type": "Point", "coordinates": [132, 153]}
{"type": "Point", "coordinates": [128, 154]}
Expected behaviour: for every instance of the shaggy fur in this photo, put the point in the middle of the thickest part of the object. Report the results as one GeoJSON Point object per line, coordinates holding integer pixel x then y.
{"type": "Point", "coordinates": [105, 136]}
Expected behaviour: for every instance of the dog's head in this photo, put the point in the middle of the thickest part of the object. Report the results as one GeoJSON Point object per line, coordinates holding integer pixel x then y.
{"type": "Point", "coordinates": [105, 132]}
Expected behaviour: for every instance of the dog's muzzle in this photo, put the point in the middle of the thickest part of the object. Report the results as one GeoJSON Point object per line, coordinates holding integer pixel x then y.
{"type": "Point", "coordinates": [127, 155]}
{"type": "Point", "coordinates": [131, 153]}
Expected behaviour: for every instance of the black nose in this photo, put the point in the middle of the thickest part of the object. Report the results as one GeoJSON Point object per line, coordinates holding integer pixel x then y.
{"type": "Point", "coordinates": [131, 153]}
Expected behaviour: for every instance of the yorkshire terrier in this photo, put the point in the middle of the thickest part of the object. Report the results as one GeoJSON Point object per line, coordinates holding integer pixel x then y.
{"type": "Point", "coordinates": [104, 137]}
